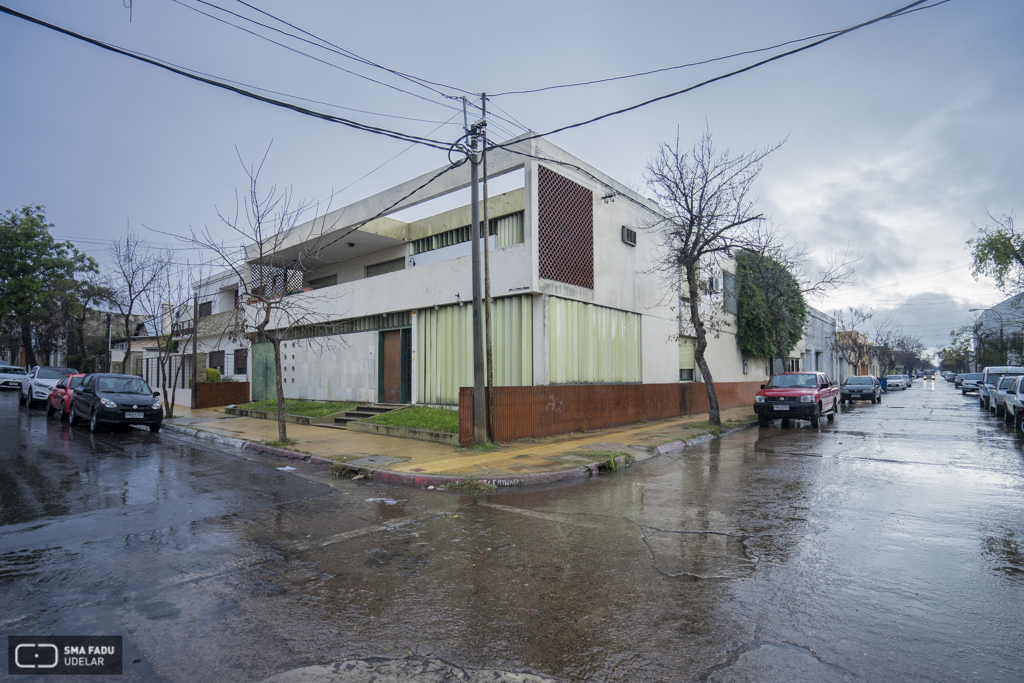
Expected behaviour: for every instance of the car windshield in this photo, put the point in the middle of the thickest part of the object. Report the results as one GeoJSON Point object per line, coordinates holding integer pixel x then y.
{"type": "Point", "coordinates": [1006, 382]}
{"type": "Point", "coordinates": [75, 381]}
{"type": "Point", "coordinates": [859, 380]}
{"type": "Point", "coordinates": [13, 371]}
{"type": "Point", "coordinates": [123, 385]}
{"type": "Point", "coordinates": [53, 373]}
{"type": "Point", "coordinates": [973, 375]}
{"type": "Point", "coordinates": [789, 381]}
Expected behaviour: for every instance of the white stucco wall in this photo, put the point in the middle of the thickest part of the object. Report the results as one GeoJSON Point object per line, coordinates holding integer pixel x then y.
{"type": "Point", "coordinates": [337, 368]}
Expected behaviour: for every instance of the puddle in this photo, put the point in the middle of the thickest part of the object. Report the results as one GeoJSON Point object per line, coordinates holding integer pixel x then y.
{"type": "Point", "coordinates": [702, 555]}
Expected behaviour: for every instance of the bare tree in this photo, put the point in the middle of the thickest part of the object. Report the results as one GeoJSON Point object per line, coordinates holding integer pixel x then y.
{"type": "Point", "coordinates": [706, 214]}
{"type": "Point", "coordinates": [272, 267]}
{"type": "Point", "coordinates": [137, 269]}
{"type": "Point", "coordinates": [170, 303]}
{"type": "Point", "coordinates": [851, 344]}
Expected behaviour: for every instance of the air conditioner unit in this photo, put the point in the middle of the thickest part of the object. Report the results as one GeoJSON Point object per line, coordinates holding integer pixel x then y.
{"type": "Point", "coordinates": [629, 236]}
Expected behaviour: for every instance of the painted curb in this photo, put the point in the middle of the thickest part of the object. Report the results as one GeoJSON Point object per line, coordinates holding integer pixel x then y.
{"type": "Point", "coordinates": [435, 480]}
{"type": "Point", "coordinates": [439, 480]}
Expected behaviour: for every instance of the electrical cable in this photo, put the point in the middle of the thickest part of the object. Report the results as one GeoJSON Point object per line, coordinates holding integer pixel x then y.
{"type": "Point", "coordinates": [359, 58]}
{"type": "Point", "coordinates": [240, 91]}
{"type": "Point", "coordinates": [736, 72]}
{"type": "Point", "coordinates": [300, 52]}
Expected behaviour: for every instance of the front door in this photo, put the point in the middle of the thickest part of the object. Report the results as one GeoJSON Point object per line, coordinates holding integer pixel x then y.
{"type": "Point", "coordinates": [391, 362]}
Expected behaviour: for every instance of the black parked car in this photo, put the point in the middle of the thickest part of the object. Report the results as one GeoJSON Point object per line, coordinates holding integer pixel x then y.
{"type": "Point", "coordinates": [861, 388]}
{"type": "Point", "coordinates": [107, 399]}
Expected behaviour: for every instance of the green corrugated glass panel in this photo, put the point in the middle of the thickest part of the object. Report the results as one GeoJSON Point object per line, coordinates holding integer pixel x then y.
{"type": "Point", "coordinates": [445, 348]}
{"type": "Point", "coordinates": [509, 230]}
{"type": "Point", "coordinates": [589, 343]}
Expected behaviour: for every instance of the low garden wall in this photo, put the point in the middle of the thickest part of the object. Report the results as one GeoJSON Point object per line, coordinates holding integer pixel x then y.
{"type": "Point", "coordinates": [215, 394]}
{"type": "Point", "coordinates": [525, 412]}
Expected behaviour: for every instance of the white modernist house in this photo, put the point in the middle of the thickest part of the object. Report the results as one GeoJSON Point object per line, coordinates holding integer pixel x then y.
{"type": "Point", "coordinates": [387, 301]}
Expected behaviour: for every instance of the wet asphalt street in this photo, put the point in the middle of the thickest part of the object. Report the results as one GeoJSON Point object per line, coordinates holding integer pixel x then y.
{"type": "Point", "coordinates": [888, 545]}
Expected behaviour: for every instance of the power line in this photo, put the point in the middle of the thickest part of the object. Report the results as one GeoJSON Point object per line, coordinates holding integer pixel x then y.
{"type": "Point", "coordinates": [736, 72]}
{"type": "Point", "coordinates": [240, 91]}
{"type": "Point", "coordinates": [353, 55]}
{"type": "Point", "coordinates": [685, 66]}
{"type": "Point", "coordinates": [300, 52]}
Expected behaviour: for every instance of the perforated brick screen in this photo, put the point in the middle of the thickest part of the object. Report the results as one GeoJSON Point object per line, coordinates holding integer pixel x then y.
{"type": "Point", "coordinates": [565, 230]}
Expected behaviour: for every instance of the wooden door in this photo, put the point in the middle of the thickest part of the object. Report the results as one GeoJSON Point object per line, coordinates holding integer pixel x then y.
{"type": "Point", "coordinates": [392, 364]}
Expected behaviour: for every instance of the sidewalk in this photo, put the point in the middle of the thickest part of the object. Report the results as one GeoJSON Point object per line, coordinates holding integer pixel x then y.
{"type": "Point", "coordinates": [422, 463]}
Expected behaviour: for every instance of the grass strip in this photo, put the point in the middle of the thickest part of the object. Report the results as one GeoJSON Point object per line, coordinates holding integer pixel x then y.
{"type": "Point", "coordinates": [421, 417]}
{"type": "Point", "coordinates": [302, 408]}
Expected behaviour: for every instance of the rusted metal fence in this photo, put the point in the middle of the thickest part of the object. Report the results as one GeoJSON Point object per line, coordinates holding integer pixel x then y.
{"type": "Point", "coordinates": [522, 412]}
{"type": "Point", "coordinates": [213, 394]}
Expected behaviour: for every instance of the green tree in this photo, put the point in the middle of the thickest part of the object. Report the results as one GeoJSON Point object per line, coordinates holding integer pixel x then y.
{"type": "Point", "coordinates": [36, 274]}
{"type": "Point", "coordinates": [771, 311]}
{"type": "Point", "coordinates": [998, 252]}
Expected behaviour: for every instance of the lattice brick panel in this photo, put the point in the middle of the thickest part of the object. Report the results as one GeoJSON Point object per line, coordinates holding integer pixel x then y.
{"type": "Point", "coordinates": [566, 230]}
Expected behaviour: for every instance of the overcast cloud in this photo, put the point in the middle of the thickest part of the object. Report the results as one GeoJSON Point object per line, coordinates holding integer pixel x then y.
{"type": "Point", "coordinates": [899, 136]}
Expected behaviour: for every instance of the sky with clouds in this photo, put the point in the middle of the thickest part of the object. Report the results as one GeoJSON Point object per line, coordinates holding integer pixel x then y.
{"type": "Point", "coordinates": [899, 136]}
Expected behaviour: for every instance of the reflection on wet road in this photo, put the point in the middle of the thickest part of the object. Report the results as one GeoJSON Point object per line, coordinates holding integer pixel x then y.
{"type": "Point", "coordinates": [886, 546]}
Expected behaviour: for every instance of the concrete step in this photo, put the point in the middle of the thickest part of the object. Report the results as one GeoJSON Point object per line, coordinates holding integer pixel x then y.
{"type": "Point", "coordinates": [364, 411]}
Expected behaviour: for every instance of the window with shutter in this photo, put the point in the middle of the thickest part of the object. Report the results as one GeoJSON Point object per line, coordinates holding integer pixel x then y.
{"type": "Point", "coordinates": [241, 361]}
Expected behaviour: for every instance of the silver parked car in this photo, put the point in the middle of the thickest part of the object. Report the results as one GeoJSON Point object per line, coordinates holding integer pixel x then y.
{"type": "Point", "coordinates": [895, 382]}
{"type": "Point", "coordinates": [969, 382]}
{"type": "Point", "coordinates": [997, 395]}
{"type": "Point", "coordinates": [11, 376]}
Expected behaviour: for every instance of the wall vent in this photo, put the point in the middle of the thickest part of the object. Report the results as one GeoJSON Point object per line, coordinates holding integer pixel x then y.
{"type": "Point", "coordinates": [629, 236]}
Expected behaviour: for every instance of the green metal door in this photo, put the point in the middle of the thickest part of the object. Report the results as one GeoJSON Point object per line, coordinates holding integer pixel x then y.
{"type": "Point", "coordinates": [264, 384]}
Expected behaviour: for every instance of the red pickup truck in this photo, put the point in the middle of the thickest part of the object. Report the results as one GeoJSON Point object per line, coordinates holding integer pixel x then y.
{"type": "Point", "coordinates": [797, 395]}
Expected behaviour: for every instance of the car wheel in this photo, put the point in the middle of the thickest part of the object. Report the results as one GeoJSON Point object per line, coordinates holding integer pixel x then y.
{"type": "Point", "coordinates": [815, 419]}
{"type": "Point", "coordinates": [1018, 424]}
{"type": "Point", "coordinates": [50, 410]}
{"type": "Point", "coordinates": [154, 428]}
{"type": "Point", "coordinates": [873, 400]}
{"type": "Point", "coordinates": [1008, 414]}
{"type": "Point", "coordinates": [999, 410]}
{"type": "Point", "coordinates": [784, 422]}
{"type": "Point", "coordinates": [762, 421]}
{"type": "Point", "coordinates": [94, 422]}
{"type": "Point", "coordinates": [73, 419]}
{"type": "Point", "coordinates": [65, 413]}
{"type": "Point", "coordinates": [832, 415]}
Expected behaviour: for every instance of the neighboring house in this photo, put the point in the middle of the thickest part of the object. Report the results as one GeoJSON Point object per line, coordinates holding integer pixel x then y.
{"type": "Point", "coordinates": [220, 337]}
{"type": "Point", "coordinates": [998, 331]}
{"type": "Point", "coordinates": [144, 336]}
{"type": "Point", "coordinates": [850, 361]}
{"type": "Point", "coordinates": [576, 296]}
{"type": "Point", "coordinates": [818, 345]}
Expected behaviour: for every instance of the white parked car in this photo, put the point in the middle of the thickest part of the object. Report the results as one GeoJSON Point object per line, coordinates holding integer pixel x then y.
{"type": "Point", "coordinates": [895, 382]}
{"type": "Point", "coordinates": [36, 385]}
{"type": "Point", "coordinates": [11, 376]}
{"type": "Point", "coordinates": [1013, 404]}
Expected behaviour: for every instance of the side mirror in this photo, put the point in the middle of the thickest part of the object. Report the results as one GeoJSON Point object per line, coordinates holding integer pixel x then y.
{"type": "Point", "coordinates": [156, 394]}
{"type": "Point", "coordinates": [762, 386]}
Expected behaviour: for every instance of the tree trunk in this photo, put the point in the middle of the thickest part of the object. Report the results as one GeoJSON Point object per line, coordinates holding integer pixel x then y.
{"type": "Point", "coordinates": [26, 343]}
{"type": "Point", "coordinates": [702, 343]}
{"type": "Point", "coordinates": [282, 432]}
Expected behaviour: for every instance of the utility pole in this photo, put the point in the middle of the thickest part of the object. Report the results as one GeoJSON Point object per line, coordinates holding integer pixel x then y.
{"type": "Point", "coordinates": [487, 280]}
{"type": "Point", "coordinates": [108, 345]}
{"type": "Point", "coordinates": [479, 392]}
{"type": "Point", "coordinates": [195, 350]}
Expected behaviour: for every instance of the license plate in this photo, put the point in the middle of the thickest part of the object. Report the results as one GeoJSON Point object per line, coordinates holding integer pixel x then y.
{"type": "Point", "coordinates": [781, 407]}
{"type": "Point", "coordinates": [137, 416]}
